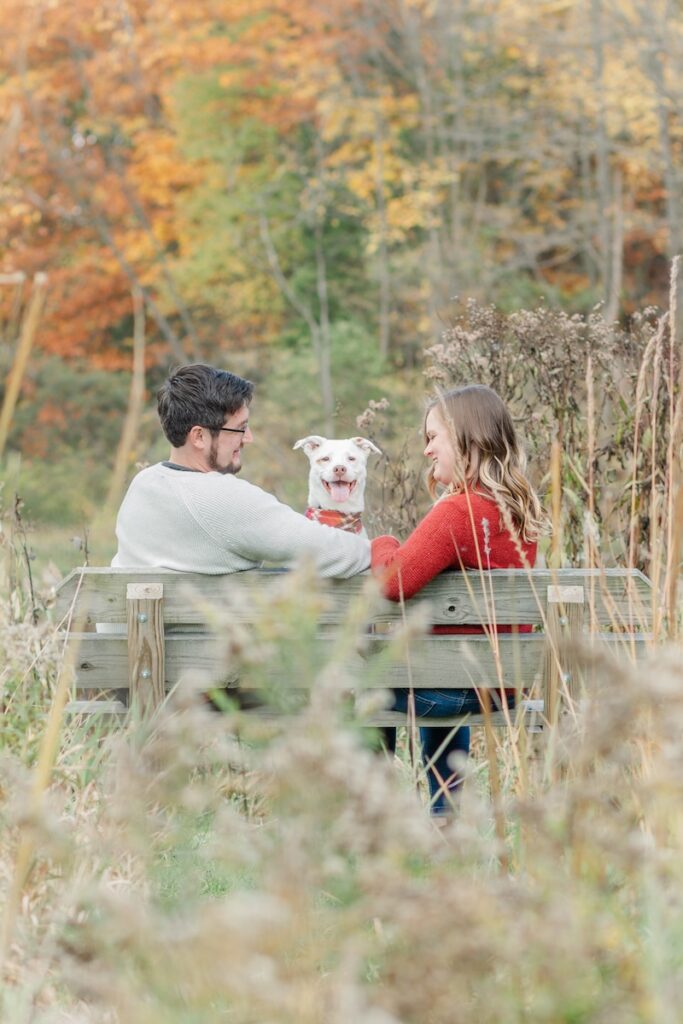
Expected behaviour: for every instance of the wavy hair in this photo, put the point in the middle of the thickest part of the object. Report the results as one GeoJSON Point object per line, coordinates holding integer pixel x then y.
{"type": "Point", "coordinates": [489, 457]}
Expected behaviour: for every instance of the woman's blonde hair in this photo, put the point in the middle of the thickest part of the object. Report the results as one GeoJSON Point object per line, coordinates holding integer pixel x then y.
{"type": "Point", "coordinates": [488, 454]}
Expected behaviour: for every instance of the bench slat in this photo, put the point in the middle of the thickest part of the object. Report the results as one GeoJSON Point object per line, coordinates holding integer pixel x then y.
{"type": "Point", "coordinates": [465, 661]}
{"type": "Point", "coordinates": [532, 717]}
{"type": "Point", "coordinates": [398, 719]}
{"type": "Point", "coordinates": [618, 595]}
{"type": "Point", "coordinates": [381, 718]}
{"type": "Point", "coordinates": [96, 707]}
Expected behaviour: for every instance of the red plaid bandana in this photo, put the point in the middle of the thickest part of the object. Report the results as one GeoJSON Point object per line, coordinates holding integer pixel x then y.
{"type": "Point", "coordinates": [349, 521]}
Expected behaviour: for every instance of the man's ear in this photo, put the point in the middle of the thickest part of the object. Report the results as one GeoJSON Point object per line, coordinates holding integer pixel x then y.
{"type": "Point", "coordinates": [310, 443]}
{"type": "Point", "coordinates": [366, 446]}
{"type": "Point", "coordinates": [195, 437]}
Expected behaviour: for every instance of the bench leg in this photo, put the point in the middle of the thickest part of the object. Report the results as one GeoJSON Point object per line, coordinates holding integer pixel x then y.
{"type": "Point", "coordinates": [146, 655]}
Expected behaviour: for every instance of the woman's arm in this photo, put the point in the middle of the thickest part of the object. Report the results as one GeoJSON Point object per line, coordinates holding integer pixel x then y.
{"type": "Point", "coordinates": [442, 539]}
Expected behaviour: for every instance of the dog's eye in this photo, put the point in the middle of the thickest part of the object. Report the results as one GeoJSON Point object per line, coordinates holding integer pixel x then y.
{"type": "Point", "coordinates": [352, 458]}
{"type": "Point", "coordinates": [324, 458]}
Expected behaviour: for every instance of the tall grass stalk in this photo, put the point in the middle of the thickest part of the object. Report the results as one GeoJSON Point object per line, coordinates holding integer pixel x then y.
{"type": "Point", "coordinates": [16, 281]}
{"type": "Point", "coordinates": [484, 694]}
{"type": "Point", "coordinates": [591, 553]}
{"type": "Point", "coordinates": [674, 560]}
{"type": "Point", "coordinates": [674, 467]}
{"type": "Point", "coordinates": [556, 504]}
{"type": "Point", "coordinates": [29, 329]}
{"type": "Point", "coordinates": [656, 507]}
{"type": "Point", "coordinates": [652, 347]}
{"type": "Point", "coordinates": [47, 755]}
{"type": "Point", "coordinates": [131, 424]}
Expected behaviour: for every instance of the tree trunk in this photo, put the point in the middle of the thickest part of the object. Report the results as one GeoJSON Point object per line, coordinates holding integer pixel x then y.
{"type": "Point", "coordinates": [656, 51]}
{"type": "Point", "coordinates": [601, 144]}
{"type": "Point", "coordinates": [325, 348]}
{"type": "Point", "coordinates": [617, 257]}
{"type": "Point", "coordinates": [384, 272]}
{"type": "Point", "coordinates": [320, 340]}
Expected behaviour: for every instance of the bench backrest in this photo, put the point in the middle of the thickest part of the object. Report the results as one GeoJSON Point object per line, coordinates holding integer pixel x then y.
{"type": "Point", "coordinates": [161, 618]}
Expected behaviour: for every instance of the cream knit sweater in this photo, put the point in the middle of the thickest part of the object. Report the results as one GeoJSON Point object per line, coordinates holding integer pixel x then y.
{"type": "Point", "coordinates": [210, 523]}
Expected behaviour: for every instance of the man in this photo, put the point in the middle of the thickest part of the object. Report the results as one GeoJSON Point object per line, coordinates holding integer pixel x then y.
{"type": "Point", "coordinates": [193, 514]}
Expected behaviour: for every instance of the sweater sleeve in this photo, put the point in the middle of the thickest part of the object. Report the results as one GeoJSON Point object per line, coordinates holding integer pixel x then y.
{"type": "Point", "coordinates": [438, 542]}
{"type": "Point", "coordinates": [258, 527]}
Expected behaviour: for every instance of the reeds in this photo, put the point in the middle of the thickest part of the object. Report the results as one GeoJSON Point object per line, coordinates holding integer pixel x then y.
{"type": "Point", "coordinates": [29, 328]}
{"type": "Point", "coordinates": [201, 867]}
{"type": "Point", "coordinates": [216, 867]}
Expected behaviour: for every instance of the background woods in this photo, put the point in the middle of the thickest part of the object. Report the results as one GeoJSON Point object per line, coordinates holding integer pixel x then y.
{"type": "Point", "coordinates": [302, 190]}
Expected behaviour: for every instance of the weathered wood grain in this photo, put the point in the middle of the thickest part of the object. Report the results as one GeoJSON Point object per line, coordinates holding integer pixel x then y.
{"type": "Point", "coordinates": [146, 648]}
{"type": "Point", "coordinates": [397, 718]}
{"type": "Point", "coordinates": [97, 707]}
{"type": "Point", "coordinates": [621, 596]}
{"type": "Point", "coordinates": [563, 629]}
{"type": "Point", "coordinates": [435, 661]}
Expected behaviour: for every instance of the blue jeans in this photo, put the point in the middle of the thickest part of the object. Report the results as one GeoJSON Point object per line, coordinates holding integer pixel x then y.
{"type": "Point", "coordinates": [440, 742]}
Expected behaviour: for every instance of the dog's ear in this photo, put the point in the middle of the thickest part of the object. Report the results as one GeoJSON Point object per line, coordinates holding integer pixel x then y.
{"type": "Point", "coordinates": [366, 446]}
{"type": "Point", "coordinates": [310, 443]}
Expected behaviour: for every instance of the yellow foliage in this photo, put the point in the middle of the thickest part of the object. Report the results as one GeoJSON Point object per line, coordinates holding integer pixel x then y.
{"type": "Point", "coordinates": [416, 209]}
{"type": "Point", "coordinates": [478, 121]}
{"type": "Point", "coordinates": [157, 169]}
{"type": "Point", "coordinates": [138, 246]}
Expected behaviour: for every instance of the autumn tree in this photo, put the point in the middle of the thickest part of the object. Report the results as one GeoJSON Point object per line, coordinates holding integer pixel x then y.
{"type": "Point", "coordinates": [286, 175]}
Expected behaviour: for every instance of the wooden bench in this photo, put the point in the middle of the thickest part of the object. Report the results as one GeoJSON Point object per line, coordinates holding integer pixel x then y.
{"type": "Point", "coordinates": [162, 634]}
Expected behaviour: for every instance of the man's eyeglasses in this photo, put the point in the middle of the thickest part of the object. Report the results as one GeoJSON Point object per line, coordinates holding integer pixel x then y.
{"type": "Point", "coordinates": [230, 430]}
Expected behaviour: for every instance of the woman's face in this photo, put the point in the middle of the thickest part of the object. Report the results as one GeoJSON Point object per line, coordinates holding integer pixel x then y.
{"type": "Point", "coordinates": [440, 448]}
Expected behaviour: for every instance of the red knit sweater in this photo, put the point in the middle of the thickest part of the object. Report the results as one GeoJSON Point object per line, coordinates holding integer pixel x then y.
{"type": "Point", "coordinates": [445, 540]}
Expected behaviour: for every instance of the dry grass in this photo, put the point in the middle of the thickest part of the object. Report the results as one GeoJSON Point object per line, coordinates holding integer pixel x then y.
{"type": "Point", "coordinates": [201, 867]}
{"type": "Point", "coordinates": [207, 867]}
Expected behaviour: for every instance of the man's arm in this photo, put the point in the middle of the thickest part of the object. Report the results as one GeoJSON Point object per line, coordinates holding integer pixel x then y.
{"type": "Point", "coordinates": [256, 526]}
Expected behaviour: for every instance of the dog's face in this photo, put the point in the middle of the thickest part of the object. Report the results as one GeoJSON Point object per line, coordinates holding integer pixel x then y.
{"type": "Point", "coordinates": [338, 471]}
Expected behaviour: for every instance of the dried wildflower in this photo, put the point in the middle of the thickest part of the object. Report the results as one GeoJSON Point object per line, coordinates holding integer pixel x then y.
{"type": "Point", "coordinates": [369, 415]}
{"type": "Point", "coordinates": [537, 360]}
{"type": "Point", "coordinates": [486, 528]}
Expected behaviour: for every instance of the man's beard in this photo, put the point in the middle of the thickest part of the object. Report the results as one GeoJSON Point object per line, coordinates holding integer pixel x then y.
{"type": "Point", "coordinates": [213, 460]}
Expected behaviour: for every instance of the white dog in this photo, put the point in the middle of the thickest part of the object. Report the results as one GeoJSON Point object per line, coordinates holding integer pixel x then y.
{"type": "Point", "coordinates": [336, 482]}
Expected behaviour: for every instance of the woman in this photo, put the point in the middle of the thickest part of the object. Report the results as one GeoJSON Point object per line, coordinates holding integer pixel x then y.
{"type": "Point", "coordinates": [486, 517]}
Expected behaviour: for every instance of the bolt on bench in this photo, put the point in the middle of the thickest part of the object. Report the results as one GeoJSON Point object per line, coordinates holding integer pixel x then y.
{"type": "Point", "coordinates": [137, 632]}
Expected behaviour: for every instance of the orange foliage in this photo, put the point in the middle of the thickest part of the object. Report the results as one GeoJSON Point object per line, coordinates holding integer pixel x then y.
{"type": "Point", "coordinates": [97, 187]}
{"type": "Point", "coordinates": [81, 311]}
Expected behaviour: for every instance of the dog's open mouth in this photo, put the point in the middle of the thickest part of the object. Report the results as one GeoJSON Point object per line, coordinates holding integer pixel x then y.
{"type": "Point", "coordinates": [339, 490]}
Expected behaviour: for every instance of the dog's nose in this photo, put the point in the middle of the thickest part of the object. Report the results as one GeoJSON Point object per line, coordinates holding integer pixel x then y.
{"type": "Point", "coordinates": [340, 469]}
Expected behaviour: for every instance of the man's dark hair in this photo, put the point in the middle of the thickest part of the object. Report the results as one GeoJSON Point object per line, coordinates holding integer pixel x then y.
{"type": "Point", "coordinates": [199, 395]}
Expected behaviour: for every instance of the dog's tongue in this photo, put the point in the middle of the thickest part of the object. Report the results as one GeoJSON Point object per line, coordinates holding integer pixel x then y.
{"type": "Point", "coordinates": [339, 490]}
